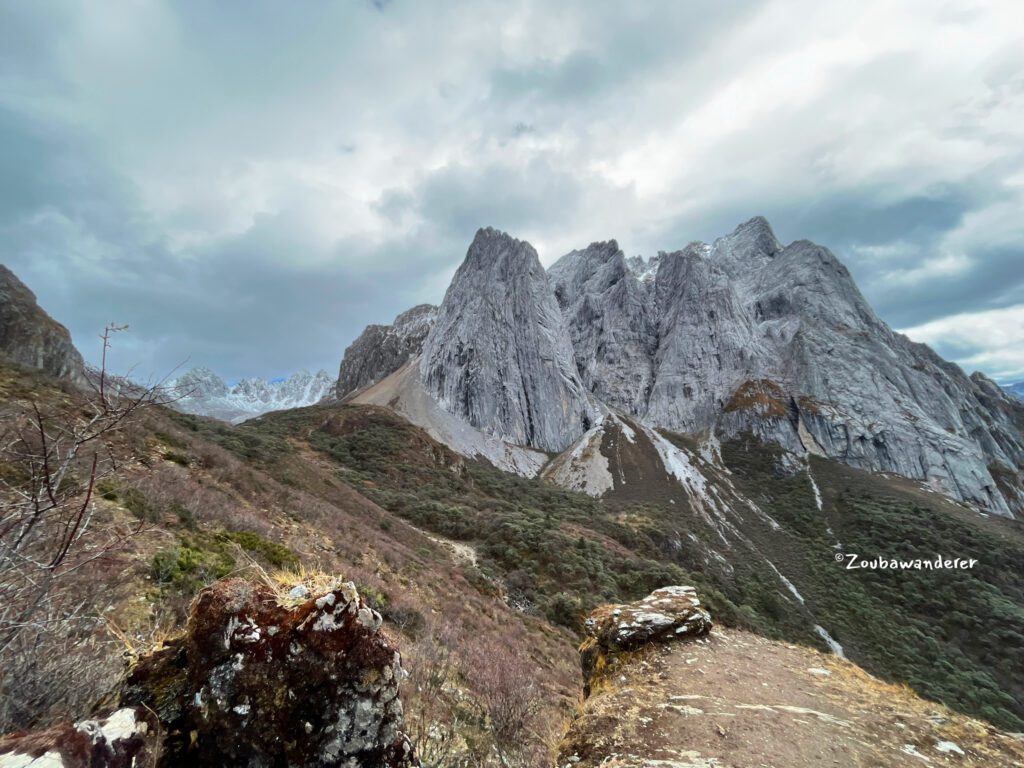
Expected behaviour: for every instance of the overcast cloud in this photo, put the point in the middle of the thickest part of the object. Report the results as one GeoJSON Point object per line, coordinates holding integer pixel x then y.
{"type": "Point", "coordinates": [248, 184]}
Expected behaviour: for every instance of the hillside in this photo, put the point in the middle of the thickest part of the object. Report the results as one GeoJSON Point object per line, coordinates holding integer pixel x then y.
{"type": "Point", "coordinates": [737, 699]}
{"type": "Point", "coordinates": [196, 500]}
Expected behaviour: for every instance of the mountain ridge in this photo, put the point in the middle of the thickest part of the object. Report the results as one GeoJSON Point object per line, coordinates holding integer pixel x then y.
{"type": "Point", "coordinates": [744, 334]}
{"type": "Point", "coordinates": [202, 392]}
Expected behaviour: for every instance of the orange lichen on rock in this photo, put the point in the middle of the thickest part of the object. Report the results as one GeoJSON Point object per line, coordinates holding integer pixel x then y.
{"type": "Point", "coordinates": [761, 395]}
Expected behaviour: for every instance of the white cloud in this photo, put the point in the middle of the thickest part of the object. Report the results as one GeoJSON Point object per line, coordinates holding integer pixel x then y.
{"type": "Point", "coordinates": [353, 141]}
{"type": "Point", "coordinates": [992, 340]}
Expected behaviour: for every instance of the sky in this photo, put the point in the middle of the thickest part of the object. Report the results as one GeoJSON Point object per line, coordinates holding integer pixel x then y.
{"type": "Point", "coordinates": [248, 184]}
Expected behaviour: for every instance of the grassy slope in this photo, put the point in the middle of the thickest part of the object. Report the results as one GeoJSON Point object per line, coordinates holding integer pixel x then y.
{"type": "Point", "coordinates": [203, 499]}
{"type": "Point", "coordinates": [955, 636]}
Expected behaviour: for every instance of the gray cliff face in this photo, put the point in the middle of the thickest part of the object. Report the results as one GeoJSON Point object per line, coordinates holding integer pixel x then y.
{"type": "Point", "coordinates": [754, 336]}
{"type": "Point", "coordinates": [500, 355]}
{"type": "Point", "coordinates": [30, 337]}
{"type": "Point", "coordinates": [611, 324]}
{"type": "Point", "coordinates": [382, 349]}
{"type": "Point", "coordinates": [743, 335]}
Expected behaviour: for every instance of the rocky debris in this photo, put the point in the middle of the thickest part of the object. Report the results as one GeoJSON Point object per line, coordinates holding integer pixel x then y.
{"type": "Point", "coordinates": [499, 355]}
{"type": "Point", "coordinates": [382, 349]}
{"type": "Point", "coordinates": [403, 393]}
{"type": "Point", "coordinates": [122, 740]}
{"type": "Point", "coordinates": [257, 679]}
{"type": "Point", "coordinates": [732, 698]}
{"type": "Point", "coordinates": [667, 614]}
{"type": "Point", "coordinates": [30, 337]}
{"type": "Point", "coordinates": [204, 393]}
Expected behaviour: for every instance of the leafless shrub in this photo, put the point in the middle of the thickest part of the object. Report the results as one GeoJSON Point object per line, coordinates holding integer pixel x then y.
{"type": "Point", "coordinates": [509, 698]}
{"type": "Point", "coordinates": [471, 700]}
{"type": "Point", "coordinates": [438, 713]}
{"type": "Point", "coordinates": [52, 457]}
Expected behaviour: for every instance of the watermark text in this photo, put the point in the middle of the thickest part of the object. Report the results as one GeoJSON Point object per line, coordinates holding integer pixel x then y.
{"type": "Point", "coordinates": [875, 563]}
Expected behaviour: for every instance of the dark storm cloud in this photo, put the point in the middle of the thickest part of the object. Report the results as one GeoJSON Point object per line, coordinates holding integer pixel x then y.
{"type": "Point", "coordinates": [248, 190]}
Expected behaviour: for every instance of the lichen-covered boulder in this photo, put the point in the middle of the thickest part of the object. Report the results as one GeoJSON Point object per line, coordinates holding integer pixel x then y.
{"type": "Point", "coordinates": [669, 613]}
{"type": "Point", "coordinates": [258, 680]}
{"type": "Point", "coordinates": [120, 740]}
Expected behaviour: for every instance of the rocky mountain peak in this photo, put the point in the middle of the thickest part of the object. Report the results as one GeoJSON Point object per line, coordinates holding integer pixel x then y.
{"type": "Point", "coordinates": [499, 255]}
{"type": "Point", "coordinates": [30, 337]}
{"type": "Point", "coordinates": [499, 354]}
{"type": "Point", "coordinates": [201, 382]}
{"type": "Point", "coordinates": [741, 336]}
{"type": "Point", "coordinates": [753, 239]}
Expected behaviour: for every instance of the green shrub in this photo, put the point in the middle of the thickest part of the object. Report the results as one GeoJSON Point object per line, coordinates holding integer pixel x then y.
{"type": "Point", "coordinates": [276, 554]}
{"type": "Point", "coordinates": [188, 569]}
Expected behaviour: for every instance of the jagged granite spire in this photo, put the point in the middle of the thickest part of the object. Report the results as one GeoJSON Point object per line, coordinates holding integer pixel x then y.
{"type": "Point", "coordinates": [745, 335]}
{"type": "Point", "coordinates": [499, 354]}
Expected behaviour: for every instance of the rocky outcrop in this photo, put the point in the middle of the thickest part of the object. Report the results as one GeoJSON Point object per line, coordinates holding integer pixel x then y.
{"type": "Point", "coordinates": [731, 698]}
{"type": "Point", "coordinates": [611, 324]}
{"type": "Point", "coordinates": [381, 350]}
{"type": "Point", "coordinates": [665, 615]}
{"type": "Point", "coordinates": [499, 355]}
{"type": "Point", "coordinates": [256, 679]}
{"type": "Point", "coordinates": [30, 337]}
{"type": "Point", "coordinates": [203, 393]}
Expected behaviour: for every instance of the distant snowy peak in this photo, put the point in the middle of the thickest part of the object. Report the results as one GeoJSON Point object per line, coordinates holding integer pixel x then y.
{"type": "Point", "coordinates": [1017, 389]}
{"type": "Point", "coordinates": [204, 393]}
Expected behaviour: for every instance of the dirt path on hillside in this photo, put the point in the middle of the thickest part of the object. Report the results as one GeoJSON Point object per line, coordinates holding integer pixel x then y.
{"type": "Point", "coordinates": [737, 700]}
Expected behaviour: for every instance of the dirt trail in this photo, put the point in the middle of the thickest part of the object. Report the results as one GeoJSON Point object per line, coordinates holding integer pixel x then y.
{"type": "Point", "coordinates": [738, 700]}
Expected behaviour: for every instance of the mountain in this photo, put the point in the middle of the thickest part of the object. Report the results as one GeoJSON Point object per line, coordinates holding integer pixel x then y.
{"type": "Point", "coordinates": [743, 335]}
{"type": "Point", "coordinates": [1017, 389]}
{"type": "Point", "coordinates": [499, 355]}
{"type": "Point", "coordinates": [203, 393]}
{"type": "Point", "coordinates": [611, 325]}
{"type": "Point", "coordinates": [30, 337]}
{"type": "Point", "coordinates": [383, 349]}
{"type": "Point", "coordinates": [483, 577]}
